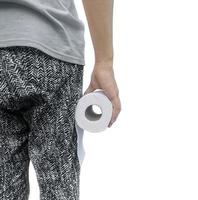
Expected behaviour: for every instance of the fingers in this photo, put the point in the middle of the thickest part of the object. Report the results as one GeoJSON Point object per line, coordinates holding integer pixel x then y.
{"type": "Point", "coordinates": [116, 109]}
{"type": "Point", "coordinates": [115, 100]}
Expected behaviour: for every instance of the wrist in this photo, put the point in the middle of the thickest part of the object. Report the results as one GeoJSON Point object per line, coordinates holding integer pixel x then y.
{"type": "Point", "coordinates": [104, 65]}
{"type": "Point", "coordinates": [104, 62]}
{"type": "Point", "coordinates": [104, 55]}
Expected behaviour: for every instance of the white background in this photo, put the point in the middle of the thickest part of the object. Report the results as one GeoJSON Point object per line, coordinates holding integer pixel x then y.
{"type": "Point", "coordinates": [151, 151]}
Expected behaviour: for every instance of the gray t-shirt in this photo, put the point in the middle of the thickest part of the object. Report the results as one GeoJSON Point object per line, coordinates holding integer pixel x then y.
{"type": "Point", "coordinates": [52, 26]}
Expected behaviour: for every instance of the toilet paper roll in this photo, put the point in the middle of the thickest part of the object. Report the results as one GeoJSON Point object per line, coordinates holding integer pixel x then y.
{"type": "Point", "coordinates": [87, 119]}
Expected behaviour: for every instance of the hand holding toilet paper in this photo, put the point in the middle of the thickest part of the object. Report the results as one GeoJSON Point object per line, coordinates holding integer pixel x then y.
{"type": "Point", "coordinates": [87, 119]}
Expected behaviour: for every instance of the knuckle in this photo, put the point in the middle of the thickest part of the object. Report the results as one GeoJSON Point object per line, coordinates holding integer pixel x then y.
{"type": "Point", "coordinates": [119, 108]}
{"type": "Point", "coordinates": [117, 93]}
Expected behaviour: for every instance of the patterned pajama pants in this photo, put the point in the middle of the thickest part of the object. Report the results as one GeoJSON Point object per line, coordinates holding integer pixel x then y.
{"type": "Point", "coordinates": [38, 95]}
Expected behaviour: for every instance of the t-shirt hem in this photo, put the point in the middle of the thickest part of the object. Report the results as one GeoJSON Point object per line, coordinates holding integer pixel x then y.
{"type": "Point", "coordinates": [44, 48]}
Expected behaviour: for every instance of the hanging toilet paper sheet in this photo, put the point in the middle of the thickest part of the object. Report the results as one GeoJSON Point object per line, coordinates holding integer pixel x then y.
{"type": "Point", "coordinates": [86, 119]}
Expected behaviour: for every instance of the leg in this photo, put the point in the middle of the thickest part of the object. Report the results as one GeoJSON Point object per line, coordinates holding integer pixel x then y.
{"type": "Point", "coordinates": [53, 152]}
{"type": "Point", "coordinates": [14, 159]}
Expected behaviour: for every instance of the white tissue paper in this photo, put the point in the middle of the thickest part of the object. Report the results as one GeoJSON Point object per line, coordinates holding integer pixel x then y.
{"type": "Point", "coordinates": [87, 119]}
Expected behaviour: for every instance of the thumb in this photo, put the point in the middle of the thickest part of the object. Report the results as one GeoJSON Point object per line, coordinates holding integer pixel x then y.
{"type": "Point", "coordinates": [88, 90]}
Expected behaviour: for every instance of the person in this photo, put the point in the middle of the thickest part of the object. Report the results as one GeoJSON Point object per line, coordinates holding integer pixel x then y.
{"type": "Point", "coordinates": [41, 79]}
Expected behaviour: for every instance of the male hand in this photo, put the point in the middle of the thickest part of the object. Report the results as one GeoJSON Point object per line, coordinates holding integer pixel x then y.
{"type": "Point", "coordinates": [102, 77]}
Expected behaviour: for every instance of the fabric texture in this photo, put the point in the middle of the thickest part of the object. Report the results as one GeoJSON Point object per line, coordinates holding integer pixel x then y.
{"type": "Point", "coordinates": [53, 26]}
{"type": "Point", "coordinates": [38, 96]}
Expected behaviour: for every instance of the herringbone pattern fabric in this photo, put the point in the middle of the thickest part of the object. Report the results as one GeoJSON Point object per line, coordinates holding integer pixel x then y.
{"type": "Point", "coordinates": [38, 95]}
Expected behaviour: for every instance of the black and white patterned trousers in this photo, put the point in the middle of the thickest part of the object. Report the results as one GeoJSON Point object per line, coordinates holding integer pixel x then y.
{"type": "Point", "coordinates": [38, 96]}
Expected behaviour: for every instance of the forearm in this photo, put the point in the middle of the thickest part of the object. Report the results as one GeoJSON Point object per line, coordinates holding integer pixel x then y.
{"type": "Point", "coordinates": [100, 20]}
{"type": "Point", "coordinates": [99, 15]}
